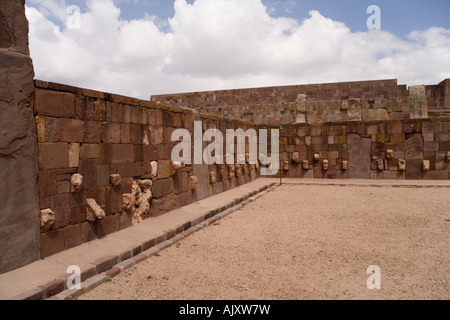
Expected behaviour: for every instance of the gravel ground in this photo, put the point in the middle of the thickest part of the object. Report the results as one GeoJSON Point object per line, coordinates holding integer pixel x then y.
{"type": "Point", "coordinates": [306, 242]}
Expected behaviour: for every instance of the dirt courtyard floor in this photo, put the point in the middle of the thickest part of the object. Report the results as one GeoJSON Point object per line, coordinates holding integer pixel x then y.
{"type": "Point", "coordinates": [306, 242]}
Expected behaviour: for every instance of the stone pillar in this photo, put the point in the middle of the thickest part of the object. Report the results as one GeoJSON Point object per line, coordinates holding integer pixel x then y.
{"type": "Point", "coordinates": [358, 157]}
{"type": "Point", "coordinates": [19, 209]}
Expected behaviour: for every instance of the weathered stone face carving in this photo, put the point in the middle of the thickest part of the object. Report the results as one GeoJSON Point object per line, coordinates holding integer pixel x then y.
{"type": "Point", "coordinates": [76, 182]}
{"type": "Point", "coordinates": [115, 179]}
{"type": "Point", "coordinates": [212, 177]}
{"type": "Point", "coordinates": [153, 168]}
{"type": "Point", "coordinates": [305, 165]}
{"type": "Point", "coordinates": [238, 169]}
{"type": "Point", "coordinates": [380, 165]}
{"type": "Point", "coordinates": [138, 201]}
{"type": "Point", "coordinates": [192, 183]}
{"type": "Point", "coordinates": [128, 201]}
{"type": "Point", "coordinates": [344, 165]}
{"type": "Point", "coordinates": [295, 157]}
{"type": "Point", "coordinates": [142, 193]}
{"type": "Point", "coordinates": [176, 165]}
{"type": "Point", "coordinates": [47, 219]}
{"type": "Point", "coordinates": [285, 165]}
{"type": "Point", "coordinates": [401, 165]}
{"type": "Point", "coordinates": [93, 210]}
{"type": "Point", "coordinates": [222, 172]}
{"type": "Point", "coordinates": [426, 165]}
{"type": "Point", "coordinates": [325, 165]}
{"type": "Point", "coordinates": [231, 170]}
{"type": "Point", "coordinates": [390, 154]}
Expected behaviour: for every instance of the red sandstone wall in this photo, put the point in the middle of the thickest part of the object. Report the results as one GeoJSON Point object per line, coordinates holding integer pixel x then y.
{"type": "Point", "coordinates": [96, 134]}
{"type": "Point", "coordinates": [345, 101]}
{"type": "Point", "coordinates": [363, 144]}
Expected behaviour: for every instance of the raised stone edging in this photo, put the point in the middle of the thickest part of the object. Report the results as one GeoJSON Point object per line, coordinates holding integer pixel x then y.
{"type": "Point", "coordinates": [109, 267]}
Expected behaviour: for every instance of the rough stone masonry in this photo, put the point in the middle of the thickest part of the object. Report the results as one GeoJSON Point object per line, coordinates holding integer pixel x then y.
{"type": "Point", "coordinates": [19, 211]}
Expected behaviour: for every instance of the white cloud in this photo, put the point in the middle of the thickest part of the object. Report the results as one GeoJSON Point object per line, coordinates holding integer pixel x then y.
{"type": "Point", "coordinates": [218, 44]}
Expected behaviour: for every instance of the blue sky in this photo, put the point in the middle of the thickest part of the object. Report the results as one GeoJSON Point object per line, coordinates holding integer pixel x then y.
{"type": "Point", "coordinates": [398, 16]}
{"type": "Point", "coordinates": [138, 47]}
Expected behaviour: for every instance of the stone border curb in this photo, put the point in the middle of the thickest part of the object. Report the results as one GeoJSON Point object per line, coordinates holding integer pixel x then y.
{"type": "Point", "coordinates": [110, 266]}
{"type": "Point", "coordinates": [365, 185]}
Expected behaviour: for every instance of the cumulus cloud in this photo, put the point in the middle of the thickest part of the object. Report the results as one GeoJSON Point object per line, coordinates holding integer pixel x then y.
{"type": "Point", "coordinates": [220, 44]}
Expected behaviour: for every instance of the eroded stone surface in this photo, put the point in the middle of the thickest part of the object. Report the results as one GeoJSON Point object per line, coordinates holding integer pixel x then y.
{"type": "Point", "coordinates": [128, 201]}
{"type": "Point", "coordinates": [93, 210]}
{"type": "Point", "coordinates": [389, 153]}
{"type": "Point", "coordinates": [380, 164]}
{"type": "Point", "coordinates": [115, 179]}
{"type": "Point", "coordinates": [325, 164]}
{"type": "Point", "coordinates": [153, 168]}
{"type": "Point", "coordinates": [192, 183]}
{"type": "Point", "coordinates": [426, 165]}
{"type": "Point", "coordinates": [47, 219]}
{"type": "Point", "coordinates": [402, 165]}
{"type": "Point", "coordinates": [344, 165]}
{"type": "Point", "coordinates": [295, 157]}
{"type": "Point", "coordinates": [305, 165]}
{"type": "Point", "coordinates": [19, 212]}
{"type": "Point", "coordinates": [76, 182]}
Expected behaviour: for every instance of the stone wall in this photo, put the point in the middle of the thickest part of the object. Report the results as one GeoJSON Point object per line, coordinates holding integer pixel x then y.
{"type": "Point", "coordinates": [438, 99]}
{"type": "Point", "coordinates": [105, 163]}
{"type": "Point", "coordinates": [315, 103]}
{"type": "Point", "coordinates": [19, 212]}
{"type": "Point", "coordinates": [406, 149]}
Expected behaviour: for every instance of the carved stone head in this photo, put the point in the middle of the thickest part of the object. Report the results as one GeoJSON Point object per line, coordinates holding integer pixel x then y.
{"type": "Point", "coordinates": [380, 164]}
{"type": "Point", "coordinates": [77, 182]}
{"type": "Point", "coordinates": [426, 165]}
{"type": "Point", "coordinates": [390, 154]}
{"type": "Point", "coordinates": [325, 165]}
{"type": "Point", "coordinates": [401, 165]}
{"type": "Point", "coordinates": [305, 165]}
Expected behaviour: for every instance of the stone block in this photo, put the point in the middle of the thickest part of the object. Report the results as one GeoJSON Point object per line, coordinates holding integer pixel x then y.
{"type": "Point", "coordinates": [432, 127]}
{"type": "Point", "coordinates": [74, 155]}
{"type": "Point", "coordinates": [52, 242]}
{"type": "Point", "coordinates": [165, 169]}
{"type": "Point", "coordinates": [359, 157]}
{"type": "Point", "coordinates": [103, 175]}
{"type": "Point", "coordinates": [156, 135]}
{"type": "Point", "coordinates": [53, 155]}
{"type": "Point", "coordinates": [61, 208]}
{"type": "Point", "coordinates": [135, 134]}
{"type": "Point", "coordinates": [121, 153]}
{"type": "Point", "coordinates": [88, 232]}
{"type": "Point", "coordinates": [90, 151]}
{"type": "Point", "coordinates": [162, 188]}
{"type": "Point", "coordinates": [106, 226]}
{"type": "Point", "coordinates": [92, 130]}
{"type": "Point", "coordinates": [164, 205]}
{"type": "Point", "coordinates": [88, 169]}
{"type": "Point", "coordinates": [110, 132]}
{"type": "Point", "coordinates": [54, 103]}
{"type": "Point", "coordinates": [47, 183]}
{"type": "Point", "coordinates": [72, 236]}
{"type": "Point", "coordinates": [71, 130]}
{"type": "Point", "coordinates": [52, 129]}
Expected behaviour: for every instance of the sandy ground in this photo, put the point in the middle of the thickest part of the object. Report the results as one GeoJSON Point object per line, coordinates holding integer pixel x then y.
{"type": "Point", "coordinates": [306, 242]}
